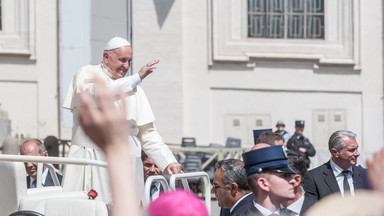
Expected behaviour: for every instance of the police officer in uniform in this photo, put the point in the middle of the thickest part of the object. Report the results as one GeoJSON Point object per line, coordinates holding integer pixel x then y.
{"type": "Point", "coordinates": [301, 143]}
{"type": "Point", "coordinates": [280, 130]}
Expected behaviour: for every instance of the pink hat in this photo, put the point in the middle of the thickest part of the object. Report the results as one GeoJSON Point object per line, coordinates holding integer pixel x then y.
{"type": "Point", "coordinates": [177, 203]}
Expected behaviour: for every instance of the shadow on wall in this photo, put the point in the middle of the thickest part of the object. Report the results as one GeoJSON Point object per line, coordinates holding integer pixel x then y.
{"type": "Point", "coordinates": [162, 10]}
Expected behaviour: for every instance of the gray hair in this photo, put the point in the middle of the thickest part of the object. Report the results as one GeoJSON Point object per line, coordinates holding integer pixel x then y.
{"type": "Point", "coordinates": [336, 140]}
{"type": "Point", "coordinates": [110, 52]}
{"type": "Point", "coordinates": [233, 171]}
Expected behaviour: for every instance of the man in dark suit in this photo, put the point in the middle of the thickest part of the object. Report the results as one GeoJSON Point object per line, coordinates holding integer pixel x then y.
{"type": "Point", "coordinates": [301, 202]}
{"type": "Point", "coordinates": [340, 174]}
{"type": "Point", "coordinates": [34, 147]}
{"type": "Point", "coordinates": [230, 187]}
{"type": "Point", "coordinates": [48, 180]}
{"type": "Point", "coordinates": [270, 179]}
{"type": "Point", "coordinates": [150, 169]}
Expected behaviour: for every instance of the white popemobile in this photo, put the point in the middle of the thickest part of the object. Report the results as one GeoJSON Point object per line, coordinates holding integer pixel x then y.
{"type": "Point", "coordinates": [40, 201]}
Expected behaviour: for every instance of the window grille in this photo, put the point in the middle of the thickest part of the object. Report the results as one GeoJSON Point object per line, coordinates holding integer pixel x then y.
{"type": "Point", "coordinates": [286, 19]}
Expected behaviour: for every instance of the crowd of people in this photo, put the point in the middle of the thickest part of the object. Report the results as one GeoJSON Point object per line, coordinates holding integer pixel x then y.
{"type": "Point", "coordinates": [114, 122]}
{"type": "Point", "coordinates": [339, 175]}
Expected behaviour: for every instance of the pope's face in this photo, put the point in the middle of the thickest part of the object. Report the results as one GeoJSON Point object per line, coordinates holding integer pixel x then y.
{"type": "Point", "coordinates": [118, 61]}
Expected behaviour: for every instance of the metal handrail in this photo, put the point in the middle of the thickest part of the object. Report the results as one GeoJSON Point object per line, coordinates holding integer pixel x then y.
{"type": "Point", "coordinates": [54, 160]}
{"type": "Point", "coordinates": [148, 184]}
{"type": "Point", "coordinates": [204, 175]}
{"type": "Point", "coordinates": [51, 170]}
{"type": "Point", "coordinates": [46, 160]}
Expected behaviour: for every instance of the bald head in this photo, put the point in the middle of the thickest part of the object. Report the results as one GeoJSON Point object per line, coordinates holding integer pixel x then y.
{"type": "Point", "coordinates": [33, 147]}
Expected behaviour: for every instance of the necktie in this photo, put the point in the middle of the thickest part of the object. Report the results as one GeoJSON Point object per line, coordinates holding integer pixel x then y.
{"type": "Point", "coordinates": [33, 184]}
{"type": "Point", "coordinates": [225, 212]}
{"type": "Point", "coordinates": [345, 182]}
{"type": "Point", "coordinates": [153, 192]}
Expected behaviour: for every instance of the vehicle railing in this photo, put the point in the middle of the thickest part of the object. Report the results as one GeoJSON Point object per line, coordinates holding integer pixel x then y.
{"type": "Point", "coordinates": [218, 153]}
{"type": "Point", "coordinates": [206, 181]}
{"type": "Point", "coordinates": [53, 160]}
{"type": "Point", "coordinates": [148, 184]}
{"type": "Point", "coordinates": [47, 161]}
{"type": "Point", "coordinates": [51, 170]}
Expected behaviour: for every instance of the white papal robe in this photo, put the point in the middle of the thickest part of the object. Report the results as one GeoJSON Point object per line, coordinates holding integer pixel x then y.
{"type": "Point", "coordinates": [143, 135]}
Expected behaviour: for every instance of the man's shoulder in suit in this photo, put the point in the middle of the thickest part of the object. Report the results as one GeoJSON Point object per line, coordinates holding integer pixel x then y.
{"type": "Point", "coordinates": [359, 168]}
{"type": "Point", "coordinates": [49, 180]}
{"type": "Point", "coordinates": [320, 168]}
{"type": "Point", "coordinates": [243, 205]}
{"type": "Point", "coordinates": [318, 171]}
{"type": "Point", "coordinates": [315, 186]}
{"type": "Point", "coordinates": [360, 178]}
{"type": "Point", "coordinates": [251, 211]}
{"type": "Point", "coordinates": [308, 202]}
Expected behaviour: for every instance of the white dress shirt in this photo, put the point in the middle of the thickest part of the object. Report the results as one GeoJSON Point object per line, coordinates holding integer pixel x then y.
{"type": "Point", "coordinates": [295, 208]}
{"type": "Point", "coordinates": [338, 172]}
{"type": "Point", "coordinates": [155, 192]}
{"type": "Point", "coordinates": [265, 211]}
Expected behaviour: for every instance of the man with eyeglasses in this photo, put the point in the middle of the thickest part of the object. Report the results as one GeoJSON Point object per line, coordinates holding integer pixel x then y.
{"type": "Point", "coordinates": [230, 187]}
{"type": "Point", "coordinates": [113, 69]}
{"type": "Point", "coordinates": [340, 174]}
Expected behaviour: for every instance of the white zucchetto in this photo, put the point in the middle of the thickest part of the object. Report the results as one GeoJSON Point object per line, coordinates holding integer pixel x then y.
{"type": "Point", "coordinates": [115, 43]}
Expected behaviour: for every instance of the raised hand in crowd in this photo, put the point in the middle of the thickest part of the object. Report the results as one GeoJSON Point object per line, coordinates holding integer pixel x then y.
{"type": "Point", "coordinates": [376, 171]}
{"type": "Point", "coordinates": [107, 127]}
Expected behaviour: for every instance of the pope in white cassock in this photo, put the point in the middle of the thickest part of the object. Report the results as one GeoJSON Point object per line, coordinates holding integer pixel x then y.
{"type": "Point", "coordinates": [117, 57]}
